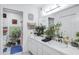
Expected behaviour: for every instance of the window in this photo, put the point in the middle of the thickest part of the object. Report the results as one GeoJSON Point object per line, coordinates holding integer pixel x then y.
{"type": "Point", "coordinates": [52, 8]}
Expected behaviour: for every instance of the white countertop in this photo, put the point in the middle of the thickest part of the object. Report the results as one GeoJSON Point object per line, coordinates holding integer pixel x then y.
{"type": "Point", "coordinates": [61, 47]}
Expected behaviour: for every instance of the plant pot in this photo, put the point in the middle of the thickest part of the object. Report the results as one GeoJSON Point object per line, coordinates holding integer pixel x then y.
{"type": "Point", "coordinates": [13, 44]}
{"type": "Point", "coordinates": [60, 40]}
{"type": "Point", "coordinates": [74, 44]}
{"type": "Point", "coordinates": [9, 44]}
{"type": "Point", "coordinates": [38, 34]}
{"type": "Point", "coordinates": [4, 50]}
{"type": "Point", "coordinates": [18, 42]}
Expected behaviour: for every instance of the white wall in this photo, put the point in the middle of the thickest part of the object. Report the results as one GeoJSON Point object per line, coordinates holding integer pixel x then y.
{"type": "Point", "coordinates": [0, 30]}
{"type": "Point", "coordinates": [11, 16]}
{"type": "Point", "coordinates": [26, 9]}
{"type": "Point", "coordinates": [1, 36]}
{"type": "Point", "coordinates": [43, 21]}
{"type": "Point", "coordinates": [69, 19]}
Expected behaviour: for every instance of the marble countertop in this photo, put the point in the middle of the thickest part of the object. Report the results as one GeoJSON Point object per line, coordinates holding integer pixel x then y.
{"type": "Point", "coordinates": [61, 47]}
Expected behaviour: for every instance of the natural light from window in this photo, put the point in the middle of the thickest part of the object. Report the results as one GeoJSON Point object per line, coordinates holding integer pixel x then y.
{"type": "Point", "coordinates": [52, 8]}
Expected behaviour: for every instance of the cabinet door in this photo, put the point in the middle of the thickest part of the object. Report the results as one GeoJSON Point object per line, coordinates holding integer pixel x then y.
{"type": "Point", "coordinates": [39, 48]}
{"type": "Point", "coordinates": [29, 44]}
{"type": "Point", "coordinates": [45, 50]}
{"type": "Point", "coordinates": [35, 47]}
{"type": "Point", "coordinates": [32, 46]}
{"type": "Point", "coordinates": [50, 51]}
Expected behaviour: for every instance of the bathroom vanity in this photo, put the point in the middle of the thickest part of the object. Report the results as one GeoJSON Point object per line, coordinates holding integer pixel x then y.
{"type": "Point", "coordinates": [37, 47]}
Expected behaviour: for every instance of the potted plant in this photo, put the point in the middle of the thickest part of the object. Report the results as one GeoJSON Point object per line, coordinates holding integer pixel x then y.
{"type": "Point", "coordinates": [58, 34]}
{"type": "Point", "coordinates": [60, 37]}
{"type": "Point", "coordinates": [52, 32]}
{"type": "Point", "coordinates": [57, 28]}
{"type": "Point", "coordinates": [75, 43]}
{"type": "Point", "coordinates": [77, 35]}
{"type": "Point", "coordinates": [39, 30]}
{"type": "Point", "coordinates": [15, 33]}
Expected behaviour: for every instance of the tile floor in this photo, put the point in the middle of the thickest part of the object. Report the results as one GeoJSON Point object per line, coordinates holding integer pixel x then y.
{"type": "Point", "coordinates": [27, 53]}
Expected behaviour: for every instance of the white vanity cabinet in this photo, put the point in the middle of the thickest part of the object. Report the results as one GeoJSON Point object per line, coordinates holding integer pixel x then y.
{"type": "Point", "coordinates": [37, 48]}
{"type": "Point", "coordinates": [34, 47]}
{"type": "Point", "coordinates": [50, 51]}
